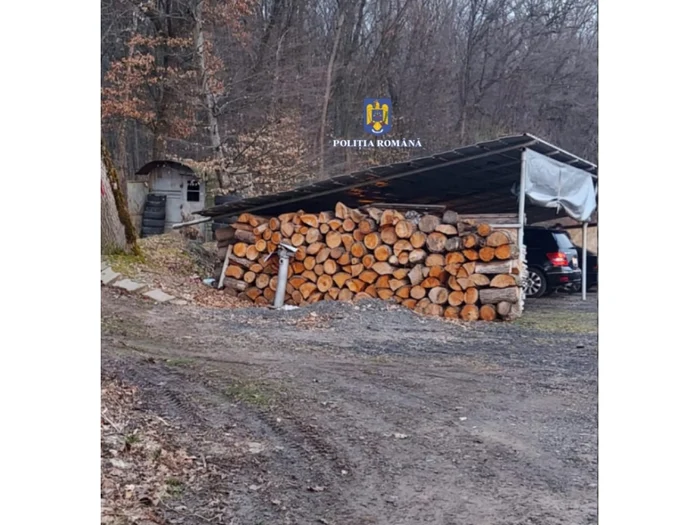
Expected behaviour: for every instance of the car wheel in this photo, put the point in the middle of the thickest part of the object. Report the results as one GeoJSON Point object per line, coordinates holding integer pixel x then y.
{"type": "Point", "coordinates": [536, 283]}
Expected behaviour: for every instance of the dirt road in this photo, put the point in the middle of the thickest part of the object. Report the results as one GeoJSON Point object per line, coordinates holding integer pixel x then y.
{"type": "Point", "coordinates": [369, 414]}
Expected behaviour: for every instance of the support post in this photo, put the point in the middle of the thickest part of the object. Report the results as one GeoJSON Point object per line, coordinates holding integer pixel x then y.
{"type": "Point", "coordinates": [282, 278]}
{"type": "Point", "coordinates": [585, 261]}
{"type": "Point", "coordinates": [224, 267]}
{"type": "Point", "coordinates": [521, 207]}
{"type": "Point", "coordinates": [521, 228]}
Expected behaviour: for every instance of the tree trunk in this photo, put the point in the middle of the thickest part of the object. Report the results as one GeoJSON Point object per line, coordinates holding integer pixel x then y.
{"type": "Point", "coordinates": [111, 232]}
{"type": "Point", "coordinates": [113, 237]}
{"type": "Point", "coordinates": [122, 156]}
{"type": "Point", "coordinates": [208, 97]}
{"type": "Point", "coordinates": [327, 95]}
{"type": "Point", "coordinates": [160, 126]}
{"type": "Point", "coordinates": [274, 95]}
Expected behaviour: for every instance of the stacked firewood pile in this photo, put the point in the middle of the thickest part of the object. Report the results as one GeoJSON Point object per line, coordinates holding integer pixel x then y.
{"type": "Point", "coordinates": [439, 265]}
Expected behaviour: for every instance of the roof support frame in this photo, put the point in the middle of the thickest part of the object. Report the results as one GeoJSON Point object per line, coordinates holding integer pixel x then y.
{"type": "Point", "coordinates": [480, 175]}
{"type": "Point", "coordinates": [591, 166]}
{"type": "Point", "coordinates": [389, 177]}
{"type": "Point", "coordinates": [521, 208]}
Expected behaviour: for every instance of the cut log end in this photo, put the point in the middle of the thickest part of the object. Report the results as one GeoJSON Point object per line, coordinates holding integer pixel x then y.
{"type": "Point", "coordinates": [428, 223]}
{"type": "Point", "coordinates": [487, 254]}
{"type": "Point", "coordinates": [503, 281]}
{"type": "Point", "coordinates": [483, 229]}
{"type": "Point", "coordinates": [469, 313]}
{"type": "Point", "coordinates": [487, 313]}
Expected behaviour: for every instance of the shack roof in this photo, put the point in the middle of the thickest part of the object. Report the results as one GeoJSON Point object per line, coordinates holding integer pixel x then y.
{"type": "Point", "coordinates": [172, 164]}
{"type": "Point", "coordinates": [481, 178]}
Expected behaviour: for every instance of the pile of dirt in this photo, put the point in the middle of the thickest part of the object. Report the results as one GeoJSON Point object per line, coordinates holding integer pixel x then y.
{"type": "Point", "coordinates": [177, 265]}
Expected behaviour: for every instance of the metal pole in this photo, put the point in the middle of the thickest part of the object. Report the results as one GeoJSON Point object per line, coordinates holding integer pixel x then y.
{"type": "Point", "coordinates": [282, 278]}
{"type": "Point", "coordinates": [521, 207]}
{"type": "Point", "coordinates": [585, 261]}
{"type": "Point", "coordinates": [513, 226]}
{"type": "Point", "coordinates": [179, 225]}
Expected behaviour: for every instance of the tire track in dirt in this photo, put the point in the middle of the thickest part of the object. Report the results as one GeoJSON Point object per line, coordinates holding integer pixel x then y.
{"type": "Point", "coordinates": [523, 456]}
{"type": "Point", "coordinates": [449, 448]}
{"type": "Point", "coordinates": [302, 457]}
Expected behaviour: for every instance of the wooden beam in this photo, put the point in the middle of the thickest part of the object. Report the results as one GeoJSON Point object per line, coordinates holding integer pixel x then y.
{"type": "Point", "coordinates": [225, 266]}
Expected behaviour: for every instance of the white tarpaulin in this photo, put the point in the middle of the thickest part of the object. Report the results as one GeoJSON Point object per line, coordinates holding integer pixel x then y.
{"type": "Point", "coordinates": [553, 184]}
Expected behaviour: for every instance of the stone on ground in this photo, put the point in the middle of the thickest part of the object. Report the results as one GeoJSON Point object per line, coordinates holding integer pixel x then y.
{"type": "Point", "coordinates": [129, 285]}
{"type": "Point", "coordinates": [159, 295]}
{"type": "Point", "coordinates": [109, 276]}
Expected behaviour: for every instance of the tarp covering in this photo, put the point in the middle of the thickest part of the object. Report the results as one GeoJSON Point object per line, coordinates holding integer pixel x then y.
{"type": "Point", "coordinates": [553, 184]}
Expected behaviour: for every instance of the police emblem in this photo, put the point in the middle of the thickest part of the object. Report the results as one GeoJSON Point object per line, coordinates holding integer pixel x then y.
{"type": "Point", "coordinates": [377, 115]}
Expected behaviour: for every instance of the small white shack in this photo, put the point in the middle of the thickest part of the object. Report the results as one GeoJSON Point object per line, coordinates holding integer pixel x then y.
{"type": "Point", "coordinates": [184, 190]}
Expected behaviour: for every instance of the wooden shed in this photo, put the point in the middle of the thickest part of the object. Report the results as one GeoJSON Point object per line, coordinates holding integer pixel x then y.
{"type": "Point", "coordinates": [184, 189]}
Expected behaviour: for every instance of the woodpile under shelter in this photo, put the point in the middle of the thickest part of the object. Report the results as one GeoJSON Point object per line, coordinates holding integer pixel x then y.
{"type": "Point", "coordinates": [521, 177]}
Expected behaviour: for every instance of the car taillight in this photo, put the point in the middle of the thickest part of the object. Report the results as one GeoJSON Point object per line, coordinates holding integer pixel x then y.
{"type": "Point", "coordinates": [557, 259]}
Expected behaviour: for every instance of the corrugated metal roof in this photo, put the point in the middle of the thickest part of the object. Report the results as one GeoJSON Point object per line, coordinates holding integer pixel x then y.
{"type": "Point", "coordinates": [480, 178]}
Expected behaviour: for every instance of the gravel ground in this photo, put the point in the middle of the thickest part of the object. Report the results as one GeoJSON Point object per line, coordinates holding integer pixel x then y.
{"type": "Point", "coordinates": [347, 414]}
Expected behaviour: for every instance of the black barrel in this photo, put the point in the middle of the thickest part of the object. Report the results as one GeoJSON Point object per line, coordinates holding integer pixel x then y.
{"type": "Point", "coordinates": [153, 198]}
{"type": "Point", "coordinates": [153, 222]}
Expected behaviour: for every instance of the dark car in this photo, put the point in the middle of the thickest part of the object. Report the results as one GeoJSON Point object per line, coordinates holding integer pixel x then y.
{"type": "Point", "coordinates": [591, 269]}
{"type": "Point", "coordinates": [552, 261]}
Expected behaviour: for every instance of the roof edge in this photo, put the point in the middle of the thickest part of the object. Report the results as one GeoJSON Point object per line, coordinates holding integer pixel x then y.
{"type": "Point", "coordinates": [153, 164]}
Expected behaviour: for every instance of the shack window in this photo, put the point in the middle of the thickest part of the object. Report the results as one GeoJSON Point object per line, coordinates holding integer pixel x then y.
{"type": "Point", "coordinates": [192, 191]}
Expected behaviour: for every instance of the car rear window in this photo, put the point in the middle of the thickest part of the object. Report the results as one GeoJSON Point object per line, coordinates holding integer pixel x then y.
{"type": "Point", "coordinates": [540, 238]}
{"type": "Point", "coordinates": [563, 241]}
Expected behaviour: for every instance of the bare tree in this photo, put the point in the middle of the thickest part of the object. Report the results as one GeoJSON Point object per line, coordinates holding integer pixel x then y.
{"type": "Point", "coordinates": [118, 232]}
{"type": "Point", "coordinates": [456, 71]}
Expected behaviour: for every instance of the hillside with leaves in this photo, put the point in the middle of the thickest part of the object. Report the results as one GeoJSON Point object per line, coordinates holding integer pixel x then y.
{"type": "Point", "coordinates": [265, 86]}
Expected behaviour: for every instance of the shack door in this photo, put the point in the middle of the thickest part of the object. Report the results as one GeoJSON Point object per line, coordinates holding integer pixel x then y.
{"type": "Point", "coordinates": [166, 182]}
